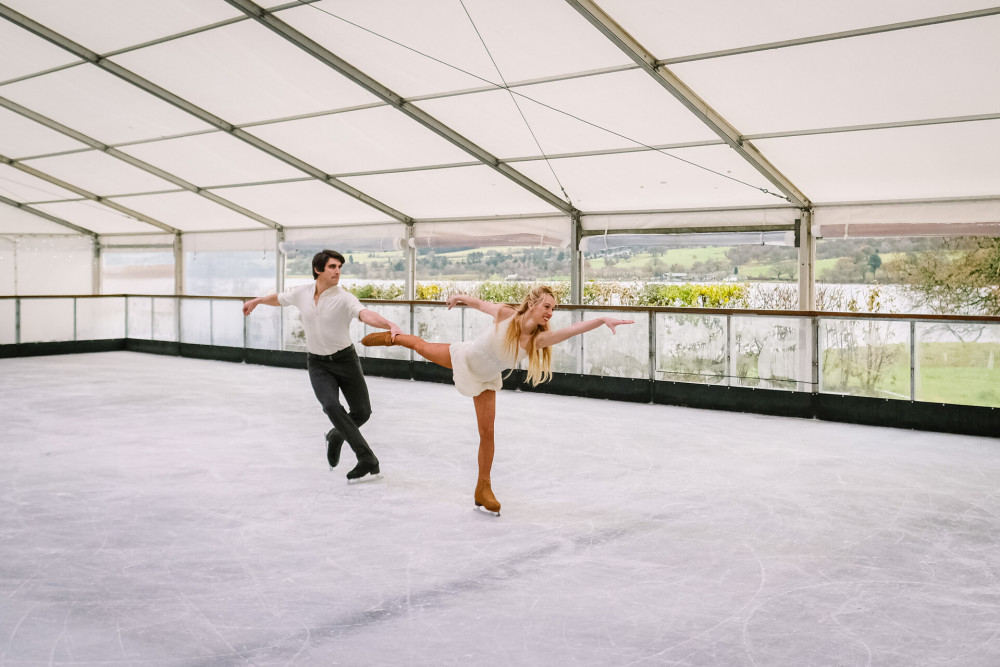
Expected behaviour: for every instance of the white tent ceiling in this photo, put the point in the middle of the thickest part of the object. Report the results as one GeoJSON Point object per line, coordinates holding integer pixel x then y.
{"type": "Point", "coordinates": [135, 116]}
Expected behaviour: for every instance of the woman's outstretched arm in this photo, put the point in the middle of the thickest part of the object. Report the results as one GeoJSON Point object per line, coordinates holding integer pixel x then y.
{"type": "Point", "coordinates": [498, 311]}
{"type": "Point", "coordinates": [549, 338]}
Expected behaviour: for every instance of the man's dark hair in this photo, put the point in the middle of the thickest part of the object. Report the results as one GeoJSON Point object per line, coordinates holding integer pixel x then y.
{"type": "Point", "coordinates": [322, 258]}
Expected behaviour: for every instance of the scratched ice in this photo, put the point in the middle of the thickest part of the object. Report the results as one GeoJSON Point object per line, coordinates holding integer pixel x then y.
{"type": "Point", "coordinates": [170, 511]}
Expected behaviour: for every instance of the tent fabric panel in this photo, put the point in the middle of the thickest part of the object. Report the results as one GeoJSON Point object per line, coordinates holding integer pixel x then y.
{"type": "Point", "coordinates": [459, 192]}
{"type": "Point", "coordinates": [58, 264]}
{"type": "Point", "coordinates": [101, 105]}
{"type": "Point", "coordinates": [945, 218]}
{"type": "Point", "coordinates": [679, 29]}
{"type": "Point", "coordinates": [612, 241]}
{"type": "Point", "coordinates": [22, 137]}
{"type": "Point", "coordinates": [246, 73]}
{"type": "Point", "coordinates": [96, 218]}
{"type": "Point", "coordinates": [16, 221]}
{"type": "Point", "coordinates": [107, 25]}
{"type": "Point", "coordinates": [117, 241]}
{"type": "Point", "coordinates": [22, 53]}
{"type": "Point", "coordinates": [365, 140]}
{"type": "Point", "coordinates": [8, 285]}
{"type": "Point", "coordinates": [264, 240]}
{"type": "Point", "coordinates": [678, 178]}
{"type": "Point", "coordinates": [24, 187]}
{"type": "Point", "coordinates": [736, 218]}
{"type": "Point", "coordinates": [921, 73]}
{"type": "Point", "coordinates": [213, 159]}
{"type": "Point", "coordinates": [552, 232]}
{"type": "Point", "coordinates": [601, 112]}
{"type": "Point", "coordinates": [302, 204]}
{"type": "Point", "coordinates": [187, 211]}
{"type": "Point", "coordinates": [456, 58]}
{"type": "Point", "coordinates": [385, 237]}
{"type": "Point", "coordinates": [100, 173]}
{"type": "Point", "coordinates": [933, 161]}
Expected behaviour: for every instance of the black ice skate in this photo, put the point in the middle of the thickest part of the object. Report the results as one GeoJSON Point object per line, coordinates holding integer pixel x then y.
{"type": "Point", "coordinates": [365, 471]}
{"type": "Point", "coordinates": [334, 442]}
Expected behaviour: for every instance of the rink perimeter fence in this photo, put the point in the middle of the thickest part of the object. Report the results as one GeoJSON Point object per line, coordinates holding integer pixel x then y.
{"type": "Point", "coordinates": [928, 372]}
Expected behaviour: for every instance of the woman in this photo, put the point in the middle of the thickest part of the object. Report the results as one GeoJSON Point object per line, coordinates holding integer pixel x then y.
{"type": "Point", "coordinates": [478, 364]}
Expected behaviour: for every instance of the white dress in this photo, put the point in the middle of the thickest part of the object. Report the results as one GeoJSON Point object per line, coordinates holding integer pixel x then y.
{"type": "Point", "coordinates": [478, 365]}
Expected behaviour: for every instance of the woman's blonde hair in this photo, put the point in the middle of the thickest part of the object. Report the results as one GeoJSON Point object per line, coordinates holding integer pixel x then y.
{"type": "Point", "coordinates": [539, 361]}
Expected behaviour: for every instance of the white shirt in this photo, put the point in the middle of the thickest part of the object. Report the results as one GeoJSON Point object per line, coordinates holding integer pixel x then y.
{"type": "Point", "coordinates": [327, 321]}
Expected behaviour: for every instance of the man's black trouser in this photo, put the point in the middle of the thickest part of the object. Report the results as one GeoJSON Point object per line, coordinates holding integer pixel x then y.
{"type": "Point", "coordinates": [340, 373]}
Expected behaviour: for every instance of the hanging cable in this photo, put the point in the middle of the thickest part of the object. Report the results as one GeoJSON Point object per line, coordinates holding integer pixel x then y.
{"type": "Point", "coordinates": [510, 90]}
{"type": "Point", "coordinates": [513, 98]}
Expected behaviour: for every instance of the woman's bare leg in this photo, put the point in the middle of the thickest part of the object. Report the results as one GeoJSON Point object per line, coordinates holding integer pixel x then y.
{"type": "Point", "coordinates": [439, 353]}
{"type": "Point", "coordinates": [486, 412]}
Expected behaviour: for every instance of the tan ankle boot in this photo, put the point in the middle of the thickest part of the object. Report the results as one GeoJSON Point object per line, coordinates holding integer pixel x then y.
{"type": "Point", "coordinates": [485, 498]}
{"type": "Point", "coordinates": [378, 338]}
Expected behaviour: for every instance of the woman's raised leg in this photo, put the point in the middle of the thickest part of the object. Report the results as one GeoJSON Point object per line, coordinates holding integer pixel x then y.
{"type": "Point", "coordinates": [439, 353]}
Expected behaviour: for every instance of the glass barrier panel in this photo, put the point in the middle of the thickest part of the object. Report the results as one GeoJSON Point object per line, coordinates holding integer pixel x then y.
{"type": "Point", "coordinates": [624, 354]}
{"type": "Point", "coordinates": [100, 318]}
{"type": "Point", "coordinates": [567, 354]}
{"type": "Point", "coordinates": [140, 317]}
{"type": "Point", "coordinates": [227, 322]}
{"type": "Point", "coordinates": [263, 328]}
{"type": "Point", "coordinates": [398, 314]}
{"type": "Point", "coordinates": [8, 321]}
{"type": "Point", "coordinates": [196, 321]}
{"type": "Point", "coordinates": [691, 348]}
{"type": "Point", "coordinates": [440, 325]}
{"type": "Point", "coordinates": [165, 319]}
{"type": "Point", "coordinates": [864, 358]}
{"type": "Point", "coordinates": [47, 320]}
{"type": "Point", "coordinates": [292, 333]}
{"type": "Point", "coordinates": [770, 352]}
{"type": "Point", "coordinates": [958, 363]}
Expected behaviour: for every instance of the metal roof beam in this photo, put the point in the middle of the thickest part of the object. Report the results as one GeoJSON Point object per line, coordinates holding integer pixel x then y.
{"type": "Point", "coordinates": [88, 195]}
{"type": "Point", "coordinates": [184, 105]}
{"type": "Point", "coordinates": [333, 61]}
{"type": "Point", "coordinates": [624, 41]}
{"type": "Point", "coordinates": [47, 216]}
{"type": "Point", "coordinates": [135, 162]}
{"type": "Point", "coordinates": [829, 37]}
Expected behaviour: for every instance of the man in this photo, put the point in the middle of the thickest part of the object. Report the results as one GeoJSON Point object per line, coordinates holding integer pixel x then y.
{"type": "Point", "coordinates": [334, 368]}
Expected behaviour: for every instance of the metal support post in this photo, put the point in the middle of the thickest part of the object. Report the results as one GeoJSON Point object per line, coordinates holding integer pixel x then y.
{"type": "Point", "coordinates": [279, 261]}
{"type": "Point", "coordinates": [652, 345]}
{"type": "Point", "coordinates": [575, 261]}
{"type": "Point", "coordinates": [815, 374]}
{"type": "Point", "coordinates": [807, 261]}
{"type": "Point", "coordinates": [97, 277]}
{"type": "Point", "coordinates": [178, 265]}
{"type": "Point", "coordinates": [410, 262]}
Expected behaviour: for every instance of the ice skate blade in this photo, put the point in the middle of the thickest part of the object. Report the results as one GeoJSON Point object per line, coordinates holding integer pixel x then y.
{"type": "Point", "coordinates": [364, 480]}
{"type": "Point", "coordinates": [480, 508]}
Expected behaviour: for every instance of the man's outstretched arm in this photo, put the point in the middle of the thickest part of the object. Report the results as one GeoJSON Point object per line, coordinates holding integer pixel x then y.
{"type": "Point", "coordinates": [269, 300]}
{"type": "Point", "coordinates": [373, 319]}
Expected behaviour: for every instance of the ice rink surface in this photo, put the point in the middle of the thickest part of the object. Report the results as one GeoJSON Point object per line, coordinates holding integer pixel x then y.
{"type": "Point", "coordinates": [169, 511]}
